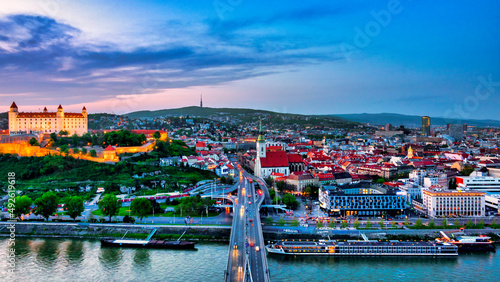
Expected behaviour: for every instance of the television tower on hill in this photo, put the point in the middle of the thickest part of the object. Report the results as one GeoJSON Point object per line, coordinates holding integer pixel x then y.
{"type": "Point", "coordinates": [201, 100]}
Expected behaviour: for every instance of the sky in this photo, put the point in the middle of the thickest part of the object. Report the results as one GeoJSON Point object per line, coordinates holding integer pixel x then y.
{"type": "Point", "coordinates": [436, 58]}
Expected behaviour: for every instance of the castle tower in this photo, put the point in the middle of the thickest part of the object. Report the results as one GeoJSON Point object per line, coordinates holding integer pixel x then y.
{"type": "Point", "coordinates": [45, 110]}
{"type": "Point", "coordinates": [12, 117]}
{"type": "Point", "coordinates": [261, 144]}
{"type": "Point", "coordinates": [60, 112]}
{"type": "Point", "coordinates": [84, 112]}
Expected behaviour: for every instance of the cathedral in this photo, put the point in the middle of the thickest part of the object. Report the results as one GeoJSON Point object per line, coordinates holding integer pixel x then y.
{"type": "Point", "coordinates": [47, 122]}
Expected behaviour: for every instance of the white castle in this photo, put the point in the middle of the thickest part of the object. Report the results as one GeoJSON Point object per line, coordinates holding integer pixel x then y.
{"type": "Point", "coordinates": [47, 122]}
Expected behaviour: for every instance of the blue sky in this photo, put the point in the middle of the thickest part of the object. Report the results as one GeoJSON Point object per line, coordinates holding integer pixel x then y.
{"type": "Point", "coordinates": [311, 57]}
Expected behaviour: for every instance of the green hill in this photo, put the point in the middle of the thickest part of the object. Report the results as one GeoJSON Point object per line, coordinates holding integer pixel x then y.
{"type": "Point", "coordinates": [196, 111]}
{"type": "Point", "coordinates": [408, 120]}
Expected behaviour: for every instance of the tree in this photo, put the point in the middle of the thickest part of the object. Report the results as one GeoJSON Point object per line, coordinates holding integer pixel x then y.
{"type": "Point", "coordinates": [281, 222]}
{"type": "Point", "coordinates": [75, 140]}
{"type": "Point", "coordinates": [452, 184]}
{"type": "Point", "coordinates": [34, 142]}
{"type": "Point", "coordinates": [157, 135]}
{"type": "Point", "coordinates": [467, 170]}
{"type": "Point", "coordinates": [445, 223]}
{"type": "Point", "coordinates": [63, 132]}
{"type": "Point", "coordinates": [407, 222]}
{"type": "Point", "coordinates": [268, 220]}
{"type": "Point", "coordinates": [110, 205]}
{"type": "Point", "coordinates": [393, 224]}
{"type": "Point", "coordinates": [64, 149]}
{"type": "Point", "coordinates": [456, 224]}
{"type": "Point", "coordinates": [356, 224]}
{"type": "Point", "coordinates": [140, 207]}
{"type": "Point", "coordinates": [84, 151]}
{"type": "Point", "coordinates": [22, 205]}
{"type": "Point", "coordinates": [480, 225]}
{"type": "Point", "coordinates": [295, 223]}
{"type": "Point", "coordinates": [381, 223]}
{"type": "Point", "coordinates": [74, 207]}
{"type": "Point", "coordinates": [331, 224]}
{"type": "Point", "coordinates": [431, 224]}
{"type": "Point", "coordinates": [46, 205]}
{"type": "Point", "coordinates": [290, 201]}
{"type": "Point", "coordinates": [76, 151]}
{"type": "Point", "coordinates": [280, 185]}
{"type": "Point", "coordinates": [380, 181]}
{"type": "Point", "coordinates": [368, 224]}
{"type": "Point", "coordinates": [344, 224]}
{"type": "Point", "coordinates": [269, 180]}
{"type": "Point", "coordinates": [53, 137]}
{"type": "Point", "coordinates": [419, 224]}
{"type": "Point", "coordinates": [469, 225]}
{"type": "Point", "coordinates": [229, 180]}
{"type": "Point", "coordinates": [494, 224]}
{"type": "Point", "coordinates": [93, 153]}
{"type": "Point", "coordinates": [319, 224]}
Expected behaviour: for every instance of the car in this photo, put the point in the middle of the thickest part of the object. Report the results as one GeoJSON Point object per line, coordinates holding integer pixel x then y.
{"type": "Point", "coordinates": [252, 244]}
{"type": "Point", "coordinates": [235, 246]}
{"type": "Point", "coordinates": [257, 248]}
{"type": "Point", "coordinates": [249, 203]}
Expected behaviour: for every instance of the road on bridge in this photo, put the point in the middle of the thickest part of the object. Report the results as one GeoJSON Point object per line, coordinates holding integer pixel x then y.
{"type": "Point", "coordinates": [247, 257]}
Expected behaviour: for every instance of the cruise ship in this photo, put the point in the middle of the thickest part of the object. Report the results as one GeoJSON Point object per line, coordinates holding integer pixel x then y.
{"type": "Point", "coordinates": [362, 248]}
{"type": "Point", "coordinates": [465, 244]}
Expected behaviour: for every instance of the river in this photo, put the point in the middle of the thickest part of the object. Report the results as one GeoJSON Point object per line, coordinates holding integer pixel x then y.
{"type": "Point", "coordinates": [79, 260]}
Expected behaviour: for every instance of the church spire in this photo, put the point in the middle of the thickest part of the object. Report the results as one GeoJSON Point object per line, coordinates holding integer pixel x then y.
{"type": "Point", "coordinates": [261, 136]}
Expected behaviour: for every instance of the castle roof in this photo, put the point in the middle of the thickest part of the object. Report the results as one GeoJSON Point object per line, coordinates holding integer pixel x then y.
{"type": "Point", "coordinates": [109, 148]}
{"type": "Point", "coordinates": [60, 107]}
{"type": "Point", "coordinates": [84, 108]}
{"type": "Point", "coordinates": [13, 105]}
{"type": "Point", "coordinates": [48, 115]}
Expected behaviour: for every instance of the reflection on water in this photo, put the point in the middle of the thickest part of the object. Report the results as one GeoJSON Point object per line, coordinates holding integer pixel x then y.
{"type": "Point", "coordinates": [141, 258]}
{"type": "Point", "coordinates": [86, 260]}
{"type": "Point", "coordinates": [75, 252]}
{"type": "Point", "coordinates": [361, 260]}
{"type": "Point", "coordinates": [22, 248]}
{"type": "Point", "coordinates": [111, 258]}
{"type": "Point", "coordinates": [47, 252]}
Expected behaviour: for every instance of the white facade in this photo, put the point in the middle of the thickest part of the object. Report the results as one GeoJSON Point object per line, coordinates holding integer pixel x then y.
{"type": "Point", "coordinates": [481, 183]}
{"type": "Point", "coordinates": [448, 203]}
{"type": "Point", "coordinates": [47, 122]}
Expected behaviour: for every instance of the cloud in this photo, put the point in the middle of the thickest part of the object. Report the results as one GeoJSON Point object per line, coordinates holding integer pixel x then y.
{"type": "Point", "coordinates": [39, 54]}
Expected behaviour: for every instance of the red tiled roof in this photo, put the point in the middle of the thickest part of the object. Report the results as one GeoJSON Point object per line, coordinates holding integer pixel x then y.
{"type": "Point", "coordinates": [109, 148]}
{"type": "Point", "coordinates": [295, 158]}
{"type": "Point", "coordinates": [200, 145]}
{"type": "Point", "coordinates": [13, 105]}
{"type": "Point", "coordinates": [274, 159]}
{"type": "Point", "coordinates": [60, 107]}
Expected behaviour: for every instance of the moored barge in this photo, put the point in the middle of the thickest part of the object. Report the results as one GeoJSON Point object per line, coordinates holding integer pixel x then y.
{"type": "Point", "coordinates": [362, 248]}
{"type": "Point", "coordinates": [148, 243]}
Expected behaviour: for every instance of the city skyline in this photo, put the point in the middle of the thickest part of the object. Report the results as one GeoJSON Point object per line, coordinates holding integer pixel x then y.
{"type": "Point", "coordinates": [309, 58]}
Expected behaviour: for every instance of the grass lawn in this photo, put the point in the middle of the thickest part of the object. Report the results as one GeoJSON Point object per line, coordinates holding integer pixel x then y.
{"type": "Point", "coordinates": [122, 212]}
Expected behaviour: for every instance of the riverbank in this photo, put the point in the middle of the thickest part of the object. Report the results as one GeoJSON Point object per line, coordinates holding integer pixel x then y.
{"type": "Point", "coordinates": [211, 233]}
{"type": "Point", "coordinates": [136, 231]}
